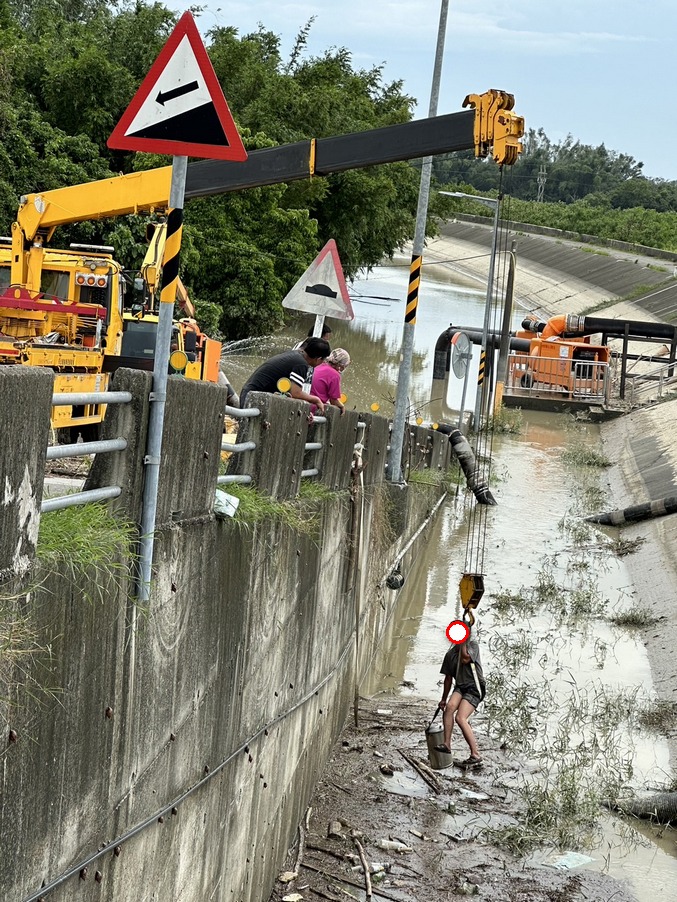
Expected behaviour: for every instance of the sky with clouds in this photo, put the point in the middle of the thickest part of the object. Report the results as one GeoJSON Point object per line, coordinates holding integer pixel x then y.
{"type": "Point", "coordinates": [600, 70]}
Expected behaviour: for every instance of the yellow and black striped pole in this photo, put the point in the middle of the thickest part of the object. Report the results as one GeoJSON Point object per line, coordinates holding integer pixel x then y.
{"type": "Point", "coordinates": [170, 262]}
{"type": "Point", "coordinates": [412, 294]}
{"type": "Point", "coordinates": [482, 369]}
{"type": "Point", "coordinates": [163, 340]}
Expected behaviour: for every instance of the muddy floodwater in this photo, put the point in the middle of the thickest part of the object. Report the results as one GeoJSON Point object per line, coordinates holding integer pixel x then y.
{"type": "Point", "coordinates": [569, 686]}
{"type": "Point", "coordinates": [569, 690]}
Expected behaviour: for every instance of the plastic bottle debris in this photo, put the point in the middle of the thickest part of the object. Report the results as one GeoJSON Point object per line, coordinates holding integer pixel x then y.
{"type": "Point", "coordinates": [468, 889]}
{"type": "Point", "coordinates": [334, 831]}
{"type": "Point", "coordinates": [287, 876]}
{"type": "Point", "coordinates": [375, 867]}
{"type": "Point", "coordinates": [392, 845]}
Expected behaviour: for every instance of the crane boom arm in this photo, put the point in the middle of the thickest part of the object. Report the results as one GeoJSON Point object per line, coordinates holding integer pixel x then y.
{"type": "Point", "coordinates": [94, 200]}
{"type": "Point", "coordinates": [490, 124]}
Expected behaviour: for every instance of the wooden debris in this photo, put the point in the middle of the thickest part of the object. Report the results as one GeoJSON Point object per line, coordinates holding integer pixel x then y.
{"type": "Point", "coordinates": [326, 851]}
{"type": "Point", "coordinates": [423, 770]}
{"type": "Point", "coordinates": [303, 831]}
{"type": "Point", "coordinates": [344, 879]}
{"type": "Point", "coordinates": [365, 865]}
{"type": "Point", "coordinates": [323, 895]}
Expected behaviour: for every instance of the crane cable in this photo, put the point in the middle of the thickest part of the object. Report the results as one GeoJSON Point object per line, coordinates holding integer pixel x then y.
{"type": "Point", "coordinates": [471, 586]}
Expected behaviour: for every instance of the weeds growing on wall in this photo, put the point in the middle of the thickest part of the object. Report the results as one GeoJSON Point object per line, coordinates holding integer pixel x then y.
{"type": "Point", "coordinates": [382, 534]}
{"type": "Point", "coordinates": [17, 637]}
{"type": "Point", "coordinates": [446, 480]}
{"type": "Point", "coordinates": [660, 716]}
{"type": "Point", "coordinates": [79, 539]}
{"type": "Point", "coordinates": [303, 515]}
{"type": "Point", "coordinates": [621, 547]}
{"type": "Point", "coordinates": [634, 617]}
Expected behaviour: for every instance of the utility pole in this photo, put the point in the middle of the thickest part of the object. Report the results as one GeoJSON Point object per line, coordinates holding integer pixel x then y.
{"type": "Point", "coordinates": [404, 377]}
{"type": "Point", "coordinates": [482, 393]}
{"type": "Point", "coordinates": [541, 179]}
{"type": "Point", "coordinates": [504, 349]}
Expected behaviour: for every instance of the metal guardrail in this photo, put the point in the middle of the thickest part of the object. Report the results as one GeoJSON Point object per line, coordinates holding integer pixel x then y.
{"type": "Point", "coordinates": [577, 379]}
{"type": "Point", "coordinates": [241, 447]}
{"type": "Point", "coordinates": [651, 385]}
{"type": "Point", "coordinates": [78, 498]}
{"type": "Point", "coordinates": [84, 449]}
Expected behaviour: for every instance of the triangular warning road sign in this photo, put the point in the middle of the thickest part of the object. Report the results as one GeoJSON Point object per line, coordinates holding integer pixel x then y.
{"type": "Point", "coordinates": [180, 108]}
{"type": "Point", "coordinates": [322, 287]}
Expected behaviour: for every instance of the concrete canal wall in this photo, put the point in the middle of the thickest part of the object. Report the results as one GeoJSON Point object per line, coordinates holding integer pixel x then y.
{"type": "Point", "coordinates": [169, 752]}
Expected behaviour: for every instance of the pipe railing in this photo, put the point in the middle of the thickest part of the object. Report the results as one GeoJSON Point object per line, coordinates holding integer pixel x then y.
{"type": "Point", "coordinates": [646, 386]}
{"type": "Point", "coordinates": [85, 449]}
{"type": "Point", "coordinates": [578, 379]}
{"type": "Point", "coordinates": [242, 447]}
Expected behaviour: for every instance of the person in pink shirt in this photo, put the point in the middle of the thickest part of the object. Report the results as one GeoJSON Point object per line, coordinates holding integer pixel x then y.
{"type": "Point", "coordinates": [326, 382]}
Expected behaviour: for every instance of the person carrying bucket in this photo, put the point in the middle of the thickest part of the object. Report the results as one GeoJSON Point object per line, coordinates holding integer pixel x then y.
{"type": "Point", "coordinates": [462, 666]}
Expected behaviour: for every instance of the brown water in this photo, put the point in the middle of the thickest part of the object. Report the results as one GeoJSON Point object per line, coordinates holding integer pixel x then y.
{"type": "Point", "coordinates": [374, 339]}
{"type": "Point", "coordinates": [585, 679]}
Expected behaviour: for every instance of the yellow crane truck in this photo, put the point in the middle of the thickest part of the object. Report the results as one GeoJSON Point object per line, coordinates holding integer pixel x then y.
{"type": "Point", "coordinates": [68, 309]}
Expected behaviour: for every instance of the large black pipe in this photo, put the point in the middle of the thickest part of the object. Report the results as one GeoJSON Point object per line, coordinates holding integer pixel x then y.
{"type": "Point", "coordinates": [637, 512]}
{"type": "Point", "coordinates": [589, 325]}
{"type": "Point", "coordinates": [442, 359]}
{"type": "Point", "coordinates": [636, 328]}
{"type": "Point", "coordinates": [466, 458]}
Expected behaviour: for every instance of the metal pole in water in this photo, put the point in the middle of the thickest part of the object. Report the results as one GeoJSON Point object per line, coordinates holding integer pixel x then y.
{"type": "Point", "coordinates": [404, 376]}
{"type": "Point", "coordinates": [482, 381]}
{"type": "Point", "coordinates": [160, 373]}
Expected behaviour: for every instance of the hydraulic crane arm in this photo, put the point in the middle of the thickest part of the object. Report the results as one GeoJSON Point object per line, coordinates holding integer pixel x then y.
{"type": "Point", "coordinates": [138, 191]}
{"type": "Point", "coordinates": [489, 127]}
{"type": "Point", "coordinates": [323, 156]}
{"type": "Point", "coordinates": [40, 214]}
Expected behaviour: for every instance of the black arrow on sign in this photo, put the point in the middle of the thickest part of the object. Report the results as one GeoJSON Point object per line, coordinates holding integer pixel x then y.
{"type": "Point", "coordinates": [176, 92]}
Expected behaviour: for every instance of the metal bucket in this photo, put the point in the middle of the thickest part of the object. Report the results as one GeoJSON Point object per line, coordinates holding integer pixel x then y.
{"type": "Point", "coordinates": [434, 735]}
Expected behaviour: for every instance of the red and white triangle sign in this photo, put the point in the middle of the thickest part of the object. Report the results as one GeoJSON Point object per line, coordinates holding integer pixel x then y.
{"type": "Point", "coordinates": [322, 287]}
{"type": "Point", "coordinates": [180, 108]}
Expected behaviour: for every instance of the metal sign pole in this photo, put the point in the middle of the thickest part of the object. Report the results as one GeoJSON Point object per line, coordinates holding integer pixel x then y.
{"type": "Point", "coordinates": [404, 376]}
{"type": "Point", "coordinates": [158, 395]}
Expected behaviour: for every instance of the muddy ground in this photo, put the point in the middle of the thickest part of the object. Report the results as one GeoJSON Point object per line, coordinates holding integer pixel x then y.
{"type": "Point", "coordinates": [441, 817]}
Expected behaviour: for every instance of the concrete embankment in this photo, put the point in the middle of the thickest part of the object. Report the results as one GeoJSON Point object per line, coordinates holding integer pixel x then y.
{"type": "Point", "coordinates": [170, 752]}
{"type": "Point", "coordinates": [555, 275]}
{"type": "Point", "coordinates": [642, 448]}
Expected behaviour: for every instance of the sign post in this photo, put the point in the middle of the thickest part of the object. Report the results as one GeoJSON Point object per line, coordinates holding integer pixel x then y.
{"type": "Point", "coordinates": [180, 96]}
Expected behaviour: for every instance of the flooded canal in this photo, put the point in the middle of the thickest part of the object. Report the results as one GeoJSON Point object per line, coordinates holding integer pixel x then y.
{"type": "Point", "coordinates": [567, 685]}
{"type": "Point", "coordinates": [569, 682]}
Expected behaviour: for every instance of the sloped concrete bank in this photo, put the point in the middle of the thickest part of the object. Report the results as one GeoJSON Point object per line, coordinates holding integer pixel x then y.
{"type": "Point", "coordinates": [555, 274]}
{"type": "Point", "coordinates": [641, 445]}
{"type": "Point", "coordinates": [170, 753]}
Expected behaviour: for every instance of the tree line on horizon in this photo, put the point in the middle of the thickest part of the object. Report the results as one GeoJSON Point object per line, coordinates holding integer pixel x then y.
{"type": "Point", "coordinates": [69, 68]}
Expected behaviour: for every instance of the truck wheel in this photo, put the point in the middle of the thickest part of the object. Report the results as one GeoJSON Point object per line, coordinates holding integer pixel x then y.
{"type": "Point", "coordinates": [527, 380]}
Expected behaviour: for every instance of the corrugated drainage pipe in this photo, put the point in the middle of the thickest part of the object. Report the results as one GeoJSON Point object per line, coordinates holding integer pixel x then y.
{"type": "Point", "coordinates": [466, 458]}
{"type": "Point", "coordinates": [637, 512]}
